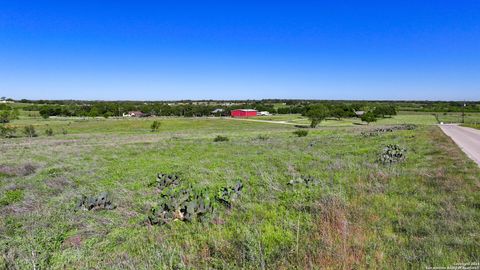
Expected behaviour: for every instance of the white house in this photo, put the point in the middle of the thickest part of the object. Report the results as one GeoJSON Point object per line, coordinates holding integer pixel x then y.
{"type": "Point", "coordinates": [217, 111]}
{"type": "Point", "coordinates": [359, 113]}
{"type": "Point", "coordinates": [133, 114]}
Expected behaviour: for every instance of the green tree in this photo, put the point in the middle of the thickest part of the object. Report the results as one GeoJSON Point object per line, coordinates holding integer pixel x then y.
{"type": "Point", "coordinates": [317, 114]}
{"type": "Point", "coordinates": [369, 117]}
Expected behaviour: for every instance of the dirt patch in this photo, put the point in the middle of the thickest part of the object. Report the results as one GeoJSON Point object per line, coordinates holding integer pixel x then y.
{"type": "Point", "coordinates": [23, 170]}
{"type": "Point", "coordinates": [73, 242]}
{"type": "Point", "coordinates": [58, 184]}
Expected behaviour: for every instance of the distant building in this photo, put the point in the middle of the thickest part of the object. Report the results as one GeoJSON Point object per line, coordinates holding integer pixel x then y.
{"type": "Point", "coordinates": [133, 114]}
{"type": "Point", "coordinates": [243, 113]}
{"type": "Point", "coordinates": [218, 111]}
{"type": "Point", "coordinates": [263, 113]}
{"type": "Point", "coordinates": [359, 113]}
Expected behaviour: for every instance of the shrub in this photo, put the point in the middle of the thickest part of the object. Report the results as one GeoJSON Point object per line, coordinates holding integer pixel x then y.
{"type": "Point", "coordinates": [64, 131]}
{"type": "Point", "coordinates": [7, 115]}
{"type": "Point", "coordinates": [155, 126]}
{"type": "Point", "coordinates": [262, 137]}
{"type": "Point", "coordinates": [29, 131]}
{"type": "Point", "coordinates": [7, 131]}
{"type": "Point", "coordinates": [221, 139]}
{"type": "Point", "coordinates": [49, 132]}
{"type": "Point", "coordinates": [301, 133]}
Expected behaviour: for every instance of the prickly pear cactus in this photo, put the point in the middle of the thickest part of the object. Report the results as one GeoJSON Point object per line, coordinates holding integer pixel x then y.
{"type": "Point", "coordinates": [229, 194]}
{"type": "Point", "coordinates": [181, 204]}
{"type": "Point", "coordinates": [378, 131]}
{"type": "Point", "coordinates": [166, 180]}
{"type": "Point", "coordinates": [101, 201]}
{"type": "Point", "coordinates": [392, 153]}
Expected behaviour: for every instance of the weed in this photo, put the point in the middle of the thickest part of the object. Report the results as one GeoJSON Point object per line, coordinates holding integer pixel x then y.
{"type": "Point", "coordinates": [29, 131]}
{"type": "Point", "coordinates": [301, 133]}
{"type": "Point", "coordinates": [49, 132]}
{"type": "Point", "coordinates": [7, 131]}
{"type": "Point", "coordinates": [11, 196]}
{"type": "Point", "coordinates": [155, 126]}
{"type": "Point", "coordinates": [220, 138]}
{"type": "Point", "coordinates": [262, 137]}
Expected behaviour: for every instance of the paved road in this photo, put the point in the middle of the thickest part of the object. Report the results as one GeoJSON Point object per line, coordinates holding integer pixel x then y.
{"type": "Point", "coordinates": [467, 138]}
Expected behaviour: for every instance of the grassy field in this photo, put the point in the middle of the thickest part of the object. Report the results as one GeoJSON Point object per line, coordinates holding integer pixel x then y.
{"type": "Point", "coordinates": [422, 212]}
{"type": "Point", "coordinates": [477, 126]}
{"type": "Point", "coordinates": [469, 118]}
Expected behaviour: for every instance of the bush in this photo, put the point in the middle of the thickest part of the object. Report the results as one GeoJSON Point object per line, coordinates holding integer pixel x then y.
{"type": "Point", "coordinates": [49, 132]}
{"type": "Point", "coordinates": [155, 126]}
{"type": "Point", "coordinates": [7, 131]}
{"type": "Point", "coordinates": [64, 131]}
{"type": "Point", "coordinates": [301, 133]}
{"type": "Point", "coordinates": [29, 131]}
{"type": "Point", "coordinates": [7, 115]}
{"type": "Point", "coordinates": [221, 139]}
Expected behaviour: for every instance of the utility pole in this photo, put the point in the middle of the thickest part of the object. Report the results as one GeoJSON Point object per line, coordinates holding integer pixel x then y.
{"type": "Point", "coordinates": [463, 112]}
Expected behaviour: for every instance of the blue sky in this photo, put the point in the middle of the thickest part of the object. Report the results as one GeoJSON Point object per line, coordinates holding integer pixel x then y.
{"type": "Point", "coordinates": [156, 50]}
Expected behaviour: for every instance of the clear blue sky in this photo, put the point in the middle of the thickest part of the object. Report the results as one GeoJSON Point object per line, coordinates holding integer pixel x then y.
{"type": "Point", "coordinates": [158, 50]}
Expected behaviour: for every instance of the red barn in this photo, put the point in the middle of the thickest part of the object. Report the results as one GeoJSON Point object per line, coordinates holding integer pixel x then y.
{"type": "Point", "coordinates": [243, 113]}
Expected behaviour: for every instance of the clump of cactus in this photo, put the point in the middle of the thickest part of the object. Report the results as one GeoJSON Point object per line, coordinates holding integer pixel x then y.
{"type": "Point", "coordinates": [378, 131]}
{"type": "Point", "coordinates": [304, 180]}
{"type": "Point", "coordinates": [166, 180]}
{"type": "Point", "coordinates": [101, 201]}
{"type": "Point", "coordinates": [392, 153]}
{"type": "Point", "coordinates": [180, 204]}
{"type": "Point", "coordinates": [229, 194]}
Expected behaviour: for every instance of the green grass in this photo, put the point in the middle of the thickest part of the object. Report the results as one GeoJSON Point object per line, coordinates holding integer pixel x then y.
{"type": "Point", "coordinates": [401, 118]}
{"type": "Point", "coordinates": [417, 119]}
{"type": "Point", "coordinates": [11, 196]}
{"type": "Point", "coordinates": [421, 212]}
{"type": "Point", "coordinates": [453, 117]}
{"type": "Point", "coordinates": [477, 126]}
